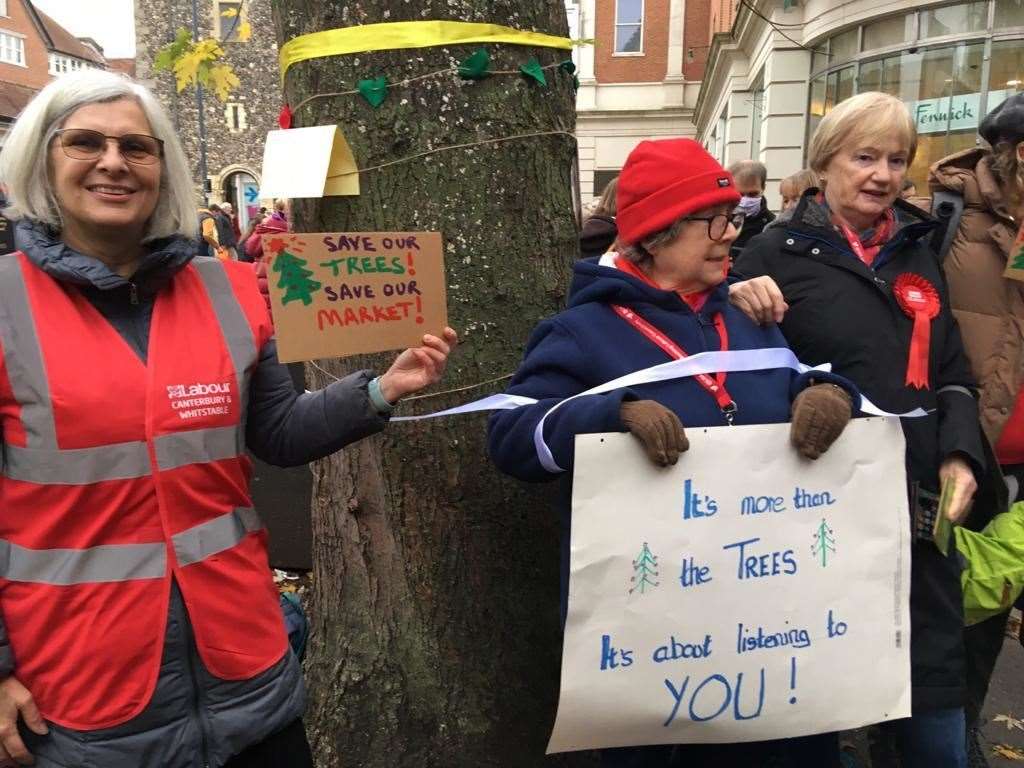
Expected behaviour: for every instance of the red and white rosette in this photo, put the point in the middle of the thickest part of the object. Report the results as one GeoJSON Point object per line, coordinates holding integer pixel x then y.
{"type": "Point", "coordinates": [920, 301]}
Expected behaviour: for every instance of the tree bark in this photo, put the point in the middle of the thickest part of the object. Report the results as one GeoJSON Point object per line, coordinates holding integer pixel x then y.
{"type": "Point", "coordinates": [436, 635]}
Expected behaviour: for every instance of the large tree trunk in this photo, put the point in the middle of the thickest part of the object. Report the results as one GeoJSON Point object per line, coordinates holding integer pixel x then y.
{"type": "Point", "coordinates": [436, 638]}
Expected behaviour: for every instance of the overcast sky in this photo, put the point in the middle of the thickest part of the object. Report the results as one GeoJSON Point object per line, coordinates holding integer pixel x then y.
{"type": "Point", "coordinates": [109, 22]}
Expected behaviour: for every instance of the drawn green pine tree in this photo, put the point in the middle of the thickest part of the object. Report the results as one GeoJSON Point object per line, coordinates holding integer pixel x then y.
{"type": "Point", "coordinates": [1018, 260]}
{"type": "Point", "coordinates": [824, 542]}
{"type": "Point", "coordinates": [644, 571]}
{"type": "Point", "coordinates": [294, 278]}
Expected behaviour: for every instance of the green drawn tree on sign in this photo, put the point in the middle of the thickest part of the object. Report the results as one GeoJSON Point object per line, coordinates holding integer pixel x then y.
{"type": "Point", "coordinates": [644, 571]}
{"type": "Point", "coordinates": [824, 542]}
{"type": "Point", "coordinates": [1018, 260]}
{"type": "Point", "coordinates": [294, 278]}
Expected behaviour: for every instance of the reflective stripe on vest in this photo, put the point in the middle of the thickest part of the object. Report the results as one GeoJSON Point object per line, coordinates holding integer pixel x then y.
{"type": "Point", "coordinates": [125, 562]}
{"type": "Point", "coordinates": [233, 323]}
{"type": "Point", "coordinates": [23, 356]}
{"type": "Point", "coordinates": [119, 461]}
{"type": "Point", "coordinates": [63, 567]}
{"type": "Point", "coordinates": [213, 536]}
{"type": "Point", "coordinates": [44, 463]}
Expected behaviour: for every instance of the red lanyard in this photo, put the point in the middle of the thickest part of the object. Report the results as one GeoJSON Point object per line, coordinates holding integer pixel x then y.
{"type": "Point", "coordinates": [713, 386]}
{"type": "Point", "coordinates": [882, 233]}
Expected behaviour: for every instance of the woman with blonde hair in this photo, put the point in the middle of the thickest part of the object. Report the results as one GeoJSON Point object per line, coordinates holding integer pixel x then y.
{"type": "Point", "coordinates": [866, 294]}
{"type": "Point", "coordinates": [140, 624]}
{"type": "Point", "coordinates": [792, 188]}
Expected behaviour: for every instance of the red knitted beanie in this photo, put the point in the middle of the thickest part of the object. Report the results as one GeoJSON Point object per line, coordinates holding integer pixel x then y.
{"type": "Point", "coordinates": [665, 180]}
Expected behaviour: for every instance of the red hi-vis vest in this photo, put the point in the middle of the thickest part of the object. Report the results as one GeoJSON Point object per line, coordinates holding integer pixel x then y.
{"type": "Point", "coordinates": [118, 476]}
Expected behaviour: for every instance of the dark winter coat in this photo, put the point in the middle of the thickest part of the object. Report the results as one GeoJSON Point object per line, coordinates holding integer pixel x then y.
{"type": "Point", "coordinates": [752, 226]}
{"type": "Point", "coordinates": [597, 236]}
{"type": "Point", "coordinates": [225, 230]}
{"type": "Point", "coordinates": [589, 344]}
{"type": "Point", "coordinates": [195, 720]}
{"type": "Point", "coordinates": [844, 312]}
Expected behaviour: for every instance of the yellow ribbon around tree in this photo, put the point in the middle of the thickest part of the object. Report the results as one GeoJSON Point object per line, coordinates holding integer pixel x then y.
{"type": "Point", "coordinates": [407, 34]}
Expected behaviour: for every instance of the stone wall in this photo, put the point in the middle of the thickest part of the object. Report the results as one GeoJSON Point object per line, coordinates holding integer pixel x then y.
{"type": "Point", "coordinates": [236, 131]}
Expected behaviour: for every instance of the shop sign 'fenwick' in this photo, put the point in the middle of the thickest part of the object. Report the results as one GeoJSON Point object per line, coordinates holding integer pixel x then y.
{"type": "Point", "coordinates": [436, 634]}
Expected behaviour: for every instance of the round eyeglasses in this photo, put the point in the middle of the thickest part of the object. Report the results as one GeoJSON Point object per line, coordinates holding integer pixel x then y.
{"type": "Point", "coordinates": [718, 224]}
{"type": "Point", "coordinates": [83, 144]}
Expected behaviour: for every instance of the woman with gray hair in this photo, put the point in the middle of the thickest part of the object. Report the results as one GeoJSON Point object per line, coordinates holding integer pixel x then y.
{"type": "Point", "coordinates": [141, 625]}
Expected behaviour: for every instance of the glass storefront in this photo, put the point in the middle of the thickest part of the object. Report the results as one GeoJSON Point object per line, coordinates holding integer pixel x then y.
{"type": "Point", "coordinates": [949, 64]}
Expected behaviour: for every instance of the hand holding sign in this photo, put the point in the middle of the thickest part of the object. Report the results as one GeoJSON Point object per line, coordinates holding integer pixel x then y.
{"type": "Point", "coordinates": [418, 368]}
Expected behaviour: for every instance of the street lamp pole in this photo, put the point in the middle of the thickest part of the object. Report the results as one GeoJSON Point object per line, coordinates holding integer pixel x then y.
{"type": "Point", "coordinates": [199, 110]}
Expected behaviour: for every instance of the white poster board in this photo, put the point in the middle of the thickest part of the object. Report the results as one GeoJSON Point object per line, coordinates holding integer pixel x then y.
{"type": "Point", "coordinates": [744, 594]}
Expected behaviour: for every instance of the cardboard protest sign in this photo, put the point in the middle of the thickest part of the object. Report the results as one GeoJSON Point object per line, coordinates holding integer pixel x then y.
{"type": "Point", "coordinates": [308, 162]}
{"type": "Point", "coordinates": [338, 294]}
{"type": "Point", "coordinates": [741, 595]}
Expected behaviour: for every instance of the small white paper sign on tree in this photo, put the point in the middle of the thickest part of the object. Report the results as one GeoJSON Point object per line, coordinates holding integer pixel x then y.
{"type": "Point", "coordinates": [308, 162]}
{"type": "Point", "coordinates": [744, 594]}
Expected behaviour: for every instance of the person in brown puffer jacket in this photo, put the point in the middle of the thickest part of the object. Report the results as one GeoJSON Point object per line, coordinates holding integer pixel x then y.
{"type": "Point", "coordinates": [988, 301]}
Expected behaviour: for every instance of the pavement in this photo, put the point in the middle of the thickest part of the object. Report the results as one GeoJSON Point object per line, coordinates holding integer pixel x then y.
{"type": "Point", "coordinates": [1005, 698]}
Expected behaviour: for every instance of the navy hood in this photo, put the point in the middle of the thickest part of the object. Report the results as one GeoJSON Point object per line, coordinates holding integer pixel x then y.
{"type": "Point", "coordinates": [593, 282]}
{"type": "Point", "coordinates": [44, 248]}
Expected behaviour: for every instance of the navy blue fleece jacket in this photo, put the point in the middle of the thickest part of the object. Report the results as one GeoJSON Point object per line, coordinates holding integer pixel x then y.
{"type": "Point", "coordinates": [589, 344]}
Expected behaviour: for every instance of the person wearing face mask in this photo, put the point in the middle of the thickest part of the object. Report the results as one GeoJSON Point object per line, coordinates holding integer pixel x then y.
{"type": "Point", "coordinates": [988, 183]}
{"type": "Point", "coordinates": [751, 178]}
{"type": "Point", "coordinates": [663, 296]}
{"type": "Point", "coordinates": [852, 272]}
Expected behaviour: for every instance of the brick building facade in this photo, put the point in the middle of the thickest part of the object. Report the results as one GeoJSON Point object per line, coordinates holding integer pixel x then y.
{"type": "Point", "coordinates": [233, 133]}
{"type": "Point", "coordinates": [639, 80]}
{"type": "Point", "coordinates": [33, 50]}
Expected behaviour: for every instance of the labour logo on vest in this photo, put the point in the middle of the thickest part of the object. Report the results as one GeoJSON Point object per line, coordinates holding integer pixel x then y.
{"type": "Point", "coordinates": [193, 401]}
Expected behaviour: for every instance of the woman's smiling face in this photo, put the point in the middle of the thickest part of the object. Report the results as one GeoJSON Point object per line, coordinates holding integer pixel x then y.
{"type": "Point", "coordinates": [108, 192]}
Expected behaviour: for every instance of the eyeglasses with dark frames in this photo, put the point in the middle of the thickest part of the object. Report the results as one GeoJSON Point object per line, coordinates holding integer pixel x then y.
{"type": "Point", "coordinates": [84, 144]}
{"type": "Point", "coordinates": [718, 224]}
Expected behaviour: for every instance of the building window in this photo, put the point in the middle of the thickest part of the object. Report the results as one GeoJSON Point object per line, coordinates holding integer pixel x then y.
{"type": "Point", "coordinates": [602, 179]}
{"type": "Point", "coordinates": [843, 47]}
{"type": "Point", "coordinates": [954, 19]}
{"type": "Point", "coordinates": [1006, 71]}
{"type": "Point", "coordinates": [227, 26]}
{"type": "Point", "coordinates": [629, 26]}
{"type": "Point", "coordinates": [12, 49]}
{"type": "Point", "coordinates": [60, 64]}
{"type": "Point", "coordinates": [3, 7]}
{"type": "Point", "coordinates": [234, 113]}
{"type": "Point", "coordinates": [1009, 13]}
{"type": "Point", "coordinates": [888, 32]}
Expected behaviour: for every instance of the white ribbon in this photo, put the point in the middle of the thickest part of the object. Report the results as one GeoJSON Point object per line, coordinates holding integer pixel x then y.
{"type": "Point", "coordinates": [492, 403]}
{"type": "Point", "coordinates": [704, 362]}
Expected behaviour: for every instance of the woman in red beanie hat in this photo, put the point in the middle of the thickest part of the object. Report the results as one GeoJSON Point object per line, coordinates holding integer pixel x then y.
{"type": "Point", "coordinates": [664, 296]}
